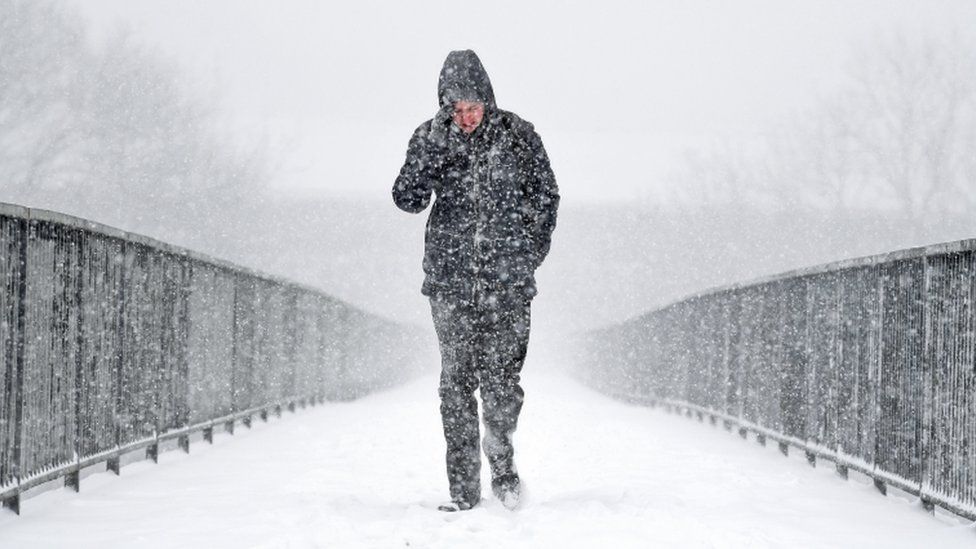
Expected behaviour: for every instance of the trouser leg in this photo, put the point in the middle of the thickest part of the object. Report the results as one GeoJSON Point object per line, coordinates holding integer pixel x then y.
{"type": "Point", "coordinates": [454, 324]}
{"type": "Point", "coordinates": [501, 356]}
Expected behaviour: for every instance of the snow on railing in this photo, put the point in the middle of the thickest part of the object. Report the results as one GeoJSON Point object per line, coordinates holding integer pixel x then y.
{"type": "Point", "coordinates": [868, 363]}
{"type": "Point", "coordinates": [112, 342]}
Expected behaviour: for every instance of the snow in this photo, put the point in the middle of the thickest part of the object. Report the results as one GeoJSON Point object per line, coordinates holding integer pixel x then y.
{"type": "Point", "coordinates": [369, 473]}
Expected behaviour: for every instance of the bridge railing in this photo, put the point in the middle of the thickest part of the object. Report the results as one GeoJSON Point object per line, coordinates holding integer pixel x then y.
{"type": "Point", "coordinates": [868, 363]}
{"type": "Point", "coordinates": [111, 342]}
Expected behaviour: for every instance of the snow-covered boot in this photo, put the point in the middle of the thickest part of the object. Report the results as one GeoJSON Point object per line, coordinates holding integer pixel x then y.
{"type": "Point", "coordinates": [459, 505]}
{"type": "Point", "coordinates": [507, 489]}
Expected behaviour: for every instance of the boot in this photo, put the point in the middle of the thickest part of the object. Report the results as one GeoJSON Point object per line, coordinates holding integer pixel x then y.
{"type": "Point", "coordinates": [460, 505]}
{"type": "Point", "coordinates": [507, 489]}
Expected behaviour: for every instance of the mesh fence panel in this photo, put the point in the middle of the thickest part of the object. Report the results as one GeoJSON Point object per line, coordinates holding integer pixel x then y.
{"type": "Point", "coordinates": [870, 363]}
{"type": "Point", "coordinates": [108, 339]}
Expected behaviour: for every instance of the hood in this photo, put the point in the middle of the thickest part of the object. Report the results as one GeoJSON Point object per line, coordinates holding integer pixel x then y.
{"type": "Point", "coordinates": [463, 77]}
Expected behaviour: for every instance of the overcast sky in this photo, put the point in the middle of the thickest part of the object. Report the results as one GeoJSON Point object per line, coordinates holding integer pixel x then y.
{"type": "Point", "coordinates": [616, 89]}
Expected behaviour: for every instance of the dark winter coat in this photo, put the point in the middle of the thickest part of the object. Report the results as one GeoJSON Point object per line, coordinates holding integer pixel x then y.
{"type": "Point", "coordinates": [496, 196]}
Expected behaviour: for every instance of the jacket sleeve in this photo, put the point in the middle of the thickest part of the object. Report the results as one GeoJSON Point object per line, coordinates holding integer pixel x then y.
{"type": "Point", "coordinates": [417, 179]}
{"type": "Point", "coordinates": [542, 194]}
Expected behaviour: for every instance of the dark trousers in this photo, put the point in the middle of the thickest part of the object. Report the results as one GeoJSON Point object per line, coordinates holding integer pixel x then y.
{"type": "Point", "coordinates": [482, 345]}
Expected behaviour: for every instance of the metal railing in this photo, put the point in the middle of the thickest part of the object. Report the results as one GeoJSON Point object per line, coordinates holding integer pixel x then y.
{"type": "Point", "coordinates": [868, 363]}
{"type": "Point", "coordinates": [111, 342]}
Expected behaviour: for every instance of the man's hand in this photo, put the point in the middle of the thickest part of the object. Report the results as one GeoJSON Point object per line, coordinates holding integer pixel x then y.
{"type": "Point", "coordinates": [440, 126]}
{"type": "Point", "coordinates": [421, 172]}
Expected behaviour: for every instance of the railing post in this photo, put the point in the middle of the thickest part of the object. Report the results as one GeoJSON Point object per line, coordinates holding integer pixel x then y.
{"type": "Point", "coordinates": [113, 464]}
{"type": "Point", "coordinates": [17, 383]}
{"type": "Point", "coordinates": [929, 382]}
{"type": "Point", "coordinates": [784, 448]}
{"type": "Point", "coordinates": [12, 503]}
{"type": "Point", "coordinates": [72, 480]}
{"type": "Point", "coordinates": [235, 357]}
{"type": "Point", "coordinates": [842, 470]}
{"type": "Point", "coordinates": [183, 331]}
{"type": "Point", "coordinates": [927, 504]}
{"type": "Point", "coordinates": [152, 451]}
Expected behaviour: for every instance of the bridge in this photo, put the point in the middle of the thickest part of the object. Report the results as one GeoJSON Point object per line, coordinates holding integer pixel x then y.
{"type": "Point", "coordinates": [153, 396]}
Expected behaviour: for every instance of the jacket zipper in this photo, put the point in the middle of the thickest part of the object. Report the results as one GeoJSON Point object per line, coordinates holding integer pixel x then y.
{"type": "Point", "coordinates": [477, 231]}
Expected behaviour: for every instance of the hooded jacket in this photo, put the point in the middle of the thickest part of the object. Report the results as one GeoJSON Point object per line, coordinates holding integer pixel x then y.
{"type": "Point", "coordinates": [495, 194]}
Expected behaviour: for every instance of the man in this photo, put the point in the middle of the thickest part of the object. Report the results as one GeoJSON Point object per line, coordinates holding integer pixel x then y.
{"type": "Point", "coordinates": [488, 231]}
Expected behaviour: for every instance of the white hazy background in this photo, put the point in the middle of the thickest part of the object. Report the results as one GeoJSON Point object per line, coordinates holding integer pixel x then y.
{"type": "Point", "coordinates": [695, 143]}
{"type": "Point", "coordinates": [617, 89]}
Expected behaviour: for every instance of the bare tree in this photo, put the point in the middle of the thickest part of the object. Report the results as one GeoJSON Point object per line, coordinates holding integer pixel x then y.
{"type": "Point", "coordinates": [115, 133]}
{"type": "Point", "coordinates": [42, 54]}
{"type": "Point", "coordinates": [897, 136]}
{"type": "Point", "coordinates": [910, 105]}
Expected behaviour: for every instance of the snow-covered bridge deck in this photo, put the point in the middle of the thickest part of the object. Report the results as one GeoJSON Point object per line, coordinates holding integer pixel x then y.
{"type": "Point", "coordinates": [369, 473]}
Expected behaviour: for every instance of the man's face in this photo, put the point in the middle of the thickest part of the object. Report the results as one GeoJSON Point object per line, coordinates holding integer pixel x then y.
{"type": "Point", "coordinates": [468, 115]}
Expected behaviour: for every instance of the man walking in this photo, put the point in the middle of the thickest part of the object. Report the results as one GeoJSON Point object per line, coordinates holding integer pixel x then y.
{"type": "Point", "coordinates": [489, 229]}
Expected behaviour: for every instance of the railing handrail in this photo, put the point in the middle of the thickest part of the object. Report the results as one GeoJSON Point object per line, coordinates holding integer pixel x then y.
{"type": "Point", "coordinates": [28, 213]}
{"type": "Point", "coordinates": [953, 246]}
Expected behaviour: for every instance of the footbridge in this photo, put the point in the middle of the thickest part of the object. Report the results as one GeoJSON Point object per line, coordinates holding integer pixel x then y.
{"type": "Point", "coordinates": [126, 364]}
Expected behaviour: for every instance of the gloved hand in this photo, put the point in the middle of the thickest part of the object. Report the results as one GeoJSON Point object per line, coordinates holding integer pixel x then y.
{"type": "Point", "coordinates": [440, 126]}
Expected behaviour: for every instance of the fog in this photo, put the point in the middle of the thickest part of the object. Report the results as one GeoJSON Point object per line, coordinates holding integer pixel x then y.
{"type": "Point", "coordinates": [695, 144]}
{"type": "Point", "coordinates": [617, 89]}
